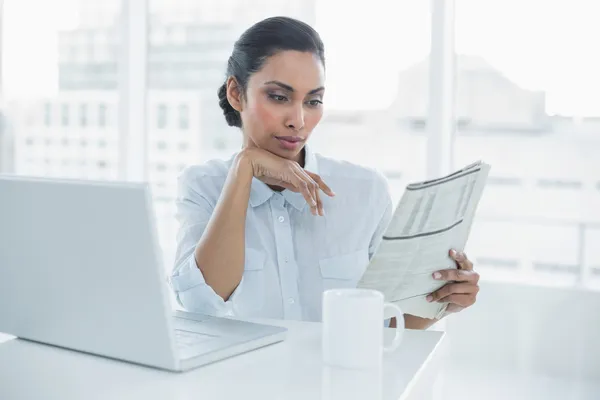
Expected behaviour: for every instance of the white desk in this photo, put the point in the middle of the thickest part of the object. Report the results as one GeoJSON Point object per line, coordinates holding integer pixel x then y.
{"type": "Point", "coordinates": [288, 370]}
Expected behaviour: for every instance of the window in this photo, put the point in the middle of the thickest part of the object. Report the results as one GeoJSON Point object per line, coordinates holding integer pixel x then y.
{"type": "Point", "coordinates": [161, 145]}
{"type": "Point", "coordinates": [501, 180]}
{"type": "Point", "coordinates": [418, 124]}
{"type": "Point", "coordinates": [102, 115]}
{"type": "Point", "coordinates": [559, 184]}
{"type": "Point", "coordinates": [48, 75]}
{"type": "Point", "coordinates": [83, 115]}
{"type": "Point", "coordinates": [497, 262]}
{"type": "Point", "coordinates": [64, 115]}
{"type": "Point", "coordinates": [161, 167]}
{"type": "Point", "coordinates": [555, 267]}
{"type": "Point", "coordinates": [219, 143]}
{"type": "Point", "coordinates": [184, 116]}
{"type": "Point", "coordinates": [47, 114]}
{"type": "Point", "coordinates": [528, 113]}
{"type": "Point", "coordinates": [393, 174]}
{"type": "Point", "coordinates": [161, 116]}
{"type": "Point", "coordinates": [183, 147]}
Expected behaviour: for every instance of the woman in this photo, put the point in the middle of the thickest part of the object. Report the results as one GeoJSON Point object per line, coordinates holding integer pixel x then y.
{"type": "Point", "coordinates": [264, 233]}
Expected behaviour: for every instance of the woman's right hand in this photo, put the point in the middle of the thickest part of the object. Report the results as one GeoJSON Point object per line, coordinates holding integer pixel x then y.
{"type": "Point", "coordinates": [278, 171]}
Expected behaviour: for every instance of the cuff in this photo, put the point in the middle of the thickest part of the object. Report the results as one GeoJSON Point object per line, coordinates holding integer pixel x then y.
{"type": "Point", "coordinates": [195, 295]}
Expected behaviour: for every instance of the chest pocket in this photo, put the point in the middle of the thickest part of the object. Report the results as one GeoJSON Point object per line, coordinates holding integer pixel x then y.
{"type": "Point", "coordinates": [252, 295]}
{"type": "Point", "coordinates": [343, 271]}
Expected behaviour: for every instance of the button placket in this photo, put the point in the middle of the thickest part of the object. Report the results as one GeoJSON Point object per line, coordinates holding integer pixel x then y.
{"type": "Point", "coordinates": [287, 268]}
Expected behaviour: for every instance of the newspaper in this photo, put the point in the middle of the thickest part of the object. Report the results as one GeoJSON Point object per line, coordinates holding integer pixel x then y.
{"type": "Point", "coordinates": [431, 218]}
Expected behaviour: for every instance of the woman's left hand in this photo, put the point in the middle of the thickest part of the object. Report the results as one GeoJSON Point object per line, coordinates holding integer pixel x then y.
{"type": "Point", "coordinates": [462, 287]}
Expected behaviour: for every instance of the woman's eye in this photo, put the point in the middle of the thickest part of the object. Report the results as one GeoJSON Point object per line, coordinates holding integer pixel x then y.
{"type": "Point", "coordinates": [277, 97]}
{"type": "Point", "coordinates": [315, 103]}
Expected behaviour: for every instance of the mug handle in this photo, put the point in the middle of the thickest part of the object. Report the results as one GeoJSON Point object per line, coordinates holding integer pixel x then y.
{"type": "Point", "coordinates": [391, 310]}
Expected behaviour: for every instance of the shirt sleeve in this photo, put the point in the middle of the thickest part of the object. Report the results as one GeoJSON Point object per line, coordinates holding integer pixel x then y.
{"type": "Point", "coordinates": [193, 211]}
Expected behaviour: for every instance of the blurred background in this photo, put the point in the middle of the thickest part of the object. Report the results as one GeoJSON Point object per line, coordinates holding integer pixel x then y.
{"type": "Point", "coordinates": [114, 89]}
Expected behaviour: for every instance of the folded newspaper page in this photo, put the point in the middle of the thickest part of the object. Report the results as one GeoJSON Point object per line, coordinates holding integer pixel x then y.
{"type": "Point", "coordinates": [431, 218]}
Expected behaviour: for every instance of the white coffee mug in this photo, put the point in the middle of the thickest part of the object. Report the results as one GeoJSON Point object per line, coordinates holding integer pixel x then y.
{"type": "Point", "coordinates": [353, 323]}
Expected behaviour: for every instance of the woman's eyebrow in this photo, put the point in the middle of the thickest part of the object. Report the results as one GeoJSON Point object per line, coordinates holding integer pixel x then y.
{"type": "Point", "coordinates": [291, 89]}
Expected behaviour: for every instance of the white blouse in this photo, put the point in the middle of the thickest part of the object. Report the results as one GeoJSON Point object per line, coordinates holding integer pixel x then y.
{"type": "Point", "coordinates": [291, 256]}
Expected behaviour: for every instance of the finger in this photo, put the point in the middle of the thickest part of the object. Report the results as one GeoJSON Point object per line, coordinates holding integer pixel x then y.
{"type": "Point", "coordinates": [456, 275]}
{"type": "Point", "coordinates": [452, 288]}
{"type": "Point", "coordinates": [453, 308]}
{"type": "Point", "coordinates": [463, 300]}
{"type": "Point", "coordinates": [461, 260]}
{"type": "Point", "coordinates": [313, 187]}
{"type": "Point", "coordinates": [304, 188]}
{"type": "Point", "coordinates": [322, 185]}
{"type": "Point", "coordinates": [319, 202]}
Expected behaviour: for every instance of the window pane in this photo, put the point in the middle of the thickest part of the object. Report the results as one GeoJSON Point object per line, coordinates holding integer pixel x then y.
{"type": "Point", "coordinates": [161, 121]}
{"type": "Point", "coordinates": [102, 117]}
{"type": "Point", "coordinates": [47, 114]}
{"type": "Point", "coordinates": [64, 116]}
{"type": "Point", "coordinates": [184, 116]}
{"type": "Point", "coordinates": [66, 81]}
{"type": "Point", "coordinates": [83, 115]}
{"type": "Point", "coordinates": [529, 101]}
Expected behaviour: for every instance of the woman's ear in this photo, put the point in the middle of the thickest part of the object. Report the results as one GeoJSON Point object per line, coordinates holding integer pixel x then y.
{"type": "Point", "coordinates": [234, 94]}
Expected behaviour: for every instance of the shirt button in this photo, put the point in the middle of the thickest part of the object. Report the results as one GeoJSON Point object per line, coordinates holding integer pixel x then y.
{"type": "Point", "coordinates": [281, 219]}
{"type": "Point", "coordinates": [291, 300]}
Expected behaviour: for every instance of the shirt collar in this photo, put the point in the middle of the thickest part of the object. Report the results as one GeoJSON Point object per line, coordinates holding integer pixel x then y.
{"type": "Point", "coordinates": [260, 192]}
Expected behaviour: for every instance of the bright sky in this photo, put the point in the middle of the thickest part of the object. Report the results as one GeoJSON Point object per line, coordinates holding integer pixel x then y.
{"type": "Point", "coordinates": [540, 45]}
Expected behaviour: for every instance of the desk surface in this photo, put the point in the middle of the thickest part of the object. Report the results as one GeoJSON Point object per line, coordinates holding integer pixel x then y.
{"type": "Point", "coordinates": [291, 369]}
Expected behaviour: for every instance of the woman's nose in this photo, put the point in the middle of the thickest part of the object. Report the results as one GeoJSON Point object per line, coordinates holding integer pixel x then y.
{"type": "Point", "coordinates": [295, 120]}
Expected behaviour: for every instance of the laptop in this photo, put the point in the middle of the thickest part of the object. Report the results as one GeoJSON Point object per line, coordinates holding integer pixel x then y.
{"type": "Point", "coordinates": [81, 268]}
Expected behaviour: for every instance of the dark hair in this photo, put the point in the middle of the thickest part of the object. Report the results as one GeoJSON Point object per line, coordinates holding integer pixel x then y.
{"type": "Point", "coordinates": [259, 42]}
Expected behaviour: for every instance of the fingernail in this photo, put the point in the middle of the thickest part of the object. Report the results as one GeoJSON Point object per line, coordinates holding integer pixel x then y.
{"type": "Point", "coordinates": [437, 275]}
{"type": "Point", "coordinates": [453, 252]}
{"type": "Point", "coordinates": [429, 298]}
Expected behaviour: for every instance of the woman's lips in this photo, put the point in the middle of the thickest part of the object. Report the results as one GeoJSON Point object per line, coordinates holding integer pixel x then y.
{"type": "Point", "coordinates": [289, 142]}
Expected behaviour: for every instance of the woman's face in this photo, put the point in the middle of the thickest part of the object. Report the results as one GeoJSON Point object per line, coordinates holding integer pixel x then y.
{"type": "Point", "coordinates": [283, 103]}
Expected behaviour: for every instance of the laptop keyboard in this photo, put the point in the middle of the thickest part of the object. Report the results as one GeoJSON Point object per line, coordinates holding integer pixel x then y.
{"type": "Point", "coordinates": [187, 339]}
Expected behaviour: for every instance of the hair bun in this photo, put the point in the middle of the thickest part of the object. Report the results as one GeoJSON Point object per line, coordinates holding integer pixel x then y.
{"type": "Point", "coordinates": [231, 115]}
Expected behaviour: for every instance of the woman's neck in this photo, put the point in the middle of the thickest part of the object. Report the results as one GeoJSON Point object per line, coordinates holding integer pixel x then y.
{"type": "Point", "coordinates": [301, 157]}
